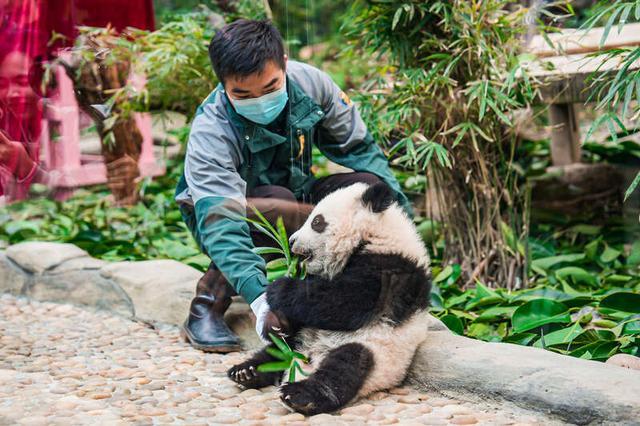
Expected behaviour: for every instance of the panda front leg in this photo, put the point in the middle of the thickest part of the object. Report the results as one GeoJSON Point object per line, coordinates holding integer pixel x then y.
{"type": "Point", "coordinates": [246, 374]}
{"type": "Point", "coordinates": [335, 382]}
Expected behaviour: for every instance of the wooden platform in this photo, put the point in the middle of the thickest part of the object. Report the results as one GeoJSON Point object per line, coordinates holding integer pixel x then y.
{"type": "Point", "coordinates": [566, 71]}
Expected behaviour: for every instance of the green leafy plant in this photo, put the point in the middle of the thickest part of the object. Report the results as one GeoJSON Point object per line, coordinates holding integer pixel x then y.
{"type": "Point", "coordinates": [289, 360]}
{"type": "Point", "coordinates": [287, 265]}
{"type": "Point", "coordinates": [618, 95]}
{"type": "Point", "coordinates": [584, 302]}
{"type": "Point", "coordinates": [449, 76]}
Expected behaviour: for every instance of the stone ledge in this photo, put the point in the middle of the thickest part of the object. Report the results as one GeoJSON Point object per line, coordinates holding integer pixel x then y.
{"type": "Point", "coordinates": [575, 390]}
{"type": "Point", "coordinates": [37, 257]}
{"type": "Point", "coordinates": [571, 389]}
{"type": "Point", "coordinates": [160, 289]}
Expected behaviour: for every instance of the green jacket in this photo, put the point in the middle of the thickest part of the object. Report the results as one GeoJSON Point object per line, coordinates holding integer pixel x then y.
{"type": "Point", "coordinates": [227, 154]}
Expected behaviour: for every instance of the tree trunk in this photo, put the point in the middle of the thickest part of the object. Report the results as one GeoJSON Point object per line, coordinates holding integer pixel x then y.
{"type": "Point", "coordinates": [95, 82]}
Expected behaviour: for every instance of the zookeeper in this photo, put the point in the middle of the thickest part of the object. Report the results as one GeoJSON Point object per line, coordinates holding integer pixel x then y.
{"type": "Point", "coordinates": [250, 144]}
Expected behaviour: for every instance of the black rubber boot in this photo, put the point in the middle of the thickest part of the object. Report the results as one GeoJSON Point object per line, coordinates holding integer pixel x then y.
{"type": "Point", "coordinates": [205, 328]}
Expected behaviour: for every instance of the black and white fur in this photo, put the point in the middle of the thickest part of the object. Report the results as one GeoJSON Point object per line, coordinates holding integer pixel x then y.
{"type": "Point", "coordinates": [360, 314]}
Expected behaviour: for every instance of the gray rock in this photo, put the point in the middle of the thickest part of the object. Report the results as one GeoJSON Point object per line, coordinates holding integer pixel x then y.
{"type": "Point", "coordinates": [434, 324]}
{"type": "Point", "coordinates": [38, 257]}
{"type": "Point", "coordinates": [78, 263]}
{"type": "Point", "coordinates": [575, 390]}
{"type": "Point", "coordinates": [12, 278]}
{"type": "Point", "coordinates": [81, 287]}
{"type": "Point", "coordinates": [241, 320]}
{"type": "Point", "coordinates": [625, 361]}
{"type": "Point", "coordinates": [161, 290]}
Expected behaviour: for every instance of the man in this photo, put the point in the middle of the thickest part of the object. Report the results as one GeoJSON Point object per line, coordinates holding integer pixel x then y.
{"type": "Point", "coordinates": [250, 143]}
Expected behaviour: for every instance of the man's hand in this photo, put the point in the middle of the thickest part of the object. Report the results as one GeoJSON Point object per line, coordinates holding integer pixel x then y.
{"type": "Point", "coordinates": [266, 320]}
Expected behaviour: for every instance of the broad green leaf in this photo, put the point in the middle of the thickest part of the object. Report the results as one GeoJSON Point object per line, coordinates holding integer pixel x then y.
{"type": "Point", "coordinates": [539, 312]}
{"type": "Point", "coordinates": [621, 303]}
{"type": "Point", "coordinates": [457, 300]}
{"type": "Point", "coordinates": [484, 296]}
{"type": "Point", "coordinates": [175, 249]}
{"type": "Point", "coordinates": [631, 328]}
{"type": "Point", "coordinates": [591, 249]}
{"type": "Point", "coordinates": [448, 275]}
{"type": "Point", "coordinates": [199, 261]}
{"type": "Point", "coordinates": [563, 336]}
{"type": "Point", "coordinates": [521, 338]}
{"type": "Point", "coordinates": [596, 351]}
{"type": "Point", "coordinates": [437, 303]}
{"type": "Point", "coordinates": [17, 226]}
{"type": "Point", "coordinates": [547, 262]}
{"type": "Point", "coordinates": [618, 279]}
{"type": "Point", "coordinates": [577, 275]}
{"type": "Point", "coordinates": [609, 255]}
{"type": "Point", "coordinates": [585, 229]}
{"type": "Point", "coordinates": [428, 230]}
{"type": "Point", "coordinates": [495, 313]}
{"type": "Point", "coordinates": [589, 336]}
{"type": "Point", "coordinates": [484, 332]}
{"type": "Point", "coordinates": [604, 323]}
{"type": "Point", "coordinates": [540, 293]}
{"type": "Point", "coordinates": [634, 255]}
{"type": "Point", "coordinates": [453, 323]}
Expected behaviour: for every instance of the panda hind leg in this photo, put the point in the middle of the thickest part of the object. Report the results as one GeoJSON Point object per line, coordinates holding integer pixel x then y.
{"type": "Point", "coordinates": [334, 384]}
{"type": "Point", "coordinates": [246, 373]}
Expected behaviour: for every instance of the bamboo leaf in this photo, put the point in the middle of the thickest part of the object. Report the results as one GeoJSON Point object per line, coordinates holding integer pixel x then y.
{"type": "Point", "coordinates": [272, 367]}
{"type": "Point", "coordinates": [276, 353]}
{"type": "Point", "coordinates": [632, 187]}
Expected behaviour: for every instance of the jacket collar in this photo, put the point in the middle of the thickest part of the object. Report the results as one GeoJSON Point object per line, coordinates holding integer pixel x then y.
{"type": "Point", "coordinates": [257, 137]}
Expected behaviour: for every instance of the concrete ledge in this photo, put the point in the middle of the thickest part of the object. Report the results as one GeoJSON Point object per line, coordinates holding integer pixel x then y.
{"type": "Point", "coordinates": [575, 390]}
{"type": "Point", "coordinates": [571, 389]}
{"type": "Point", "coordinates": [155, 291]}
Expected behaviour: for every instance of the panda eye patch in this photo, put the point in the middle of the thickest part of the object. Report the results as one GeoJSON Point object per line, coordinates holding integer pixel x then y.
{"type": "Point", "coordinates": [318, 223]}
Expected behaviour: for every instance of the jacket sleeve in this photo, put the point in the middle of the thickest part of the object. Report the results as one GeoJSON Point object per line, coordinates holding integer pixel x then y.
{"type": "Point", "coordinates": [218, 193]}
{"type": "Point", "coordinates": [345, 139]}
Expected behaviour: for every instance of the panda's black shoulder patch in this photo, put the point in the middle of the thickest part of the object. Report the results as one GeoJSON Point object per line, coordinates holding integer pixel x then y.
{"type": "Point", "coordinates": [378, 197]}
{"type": "Point", "coordinates": [403, 287]}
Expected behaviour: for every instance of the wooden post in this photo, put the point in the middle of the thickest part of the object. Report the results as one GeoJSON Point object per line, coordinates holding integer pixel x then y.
{"type": "Point", "coordinates": [565, 134]}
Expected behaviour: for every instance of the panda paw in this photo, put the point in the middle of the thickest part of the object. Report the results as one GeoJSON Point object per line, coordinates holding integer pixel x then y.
{"type": "Point", "coordinates": [248, 376]}
{"type": "Point", "coordinates": [305, 398]}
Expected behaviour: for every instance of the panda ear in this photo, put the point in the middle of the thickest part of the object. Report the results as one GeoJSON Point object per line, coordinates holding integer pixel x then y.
{"type": "Point", "coordinates": [378, 197]}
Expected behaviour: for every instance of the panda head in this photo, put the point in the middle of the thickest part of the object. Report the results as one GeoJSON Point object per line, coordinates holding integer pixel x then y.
{"type": "Point", "coordinates": [358, 216]}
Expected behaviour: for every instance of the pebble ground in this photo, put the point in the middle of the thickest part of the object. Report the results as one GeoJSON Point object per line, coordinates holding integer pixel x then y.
{"type": "Point", "coordinates": [62, 365]}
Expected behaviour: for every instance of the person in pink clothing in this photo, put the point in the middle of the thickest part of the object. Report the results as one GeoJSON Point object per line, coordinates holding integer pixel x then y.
{"type": "Point", "coordinates": [22, 39]}
{"type": "Point", "coordinates": [26, 28]}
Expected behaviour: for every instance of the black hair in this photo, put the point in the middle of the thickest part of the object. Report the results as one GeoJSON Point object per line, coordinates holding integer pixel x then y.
{"type": "Point", "coordinates": [243, 47]}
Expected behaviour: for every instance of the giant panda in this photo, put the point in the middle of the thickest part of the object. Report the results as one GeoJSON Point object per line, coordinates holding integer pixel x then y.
{"type": "Point", "coordinates": [360, 313]}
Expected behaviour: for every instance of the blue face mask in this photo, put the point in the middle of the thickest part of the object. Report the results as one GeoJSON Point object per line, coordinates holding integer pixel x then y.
{"type": "Point", "coordinates": [265, 109]}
